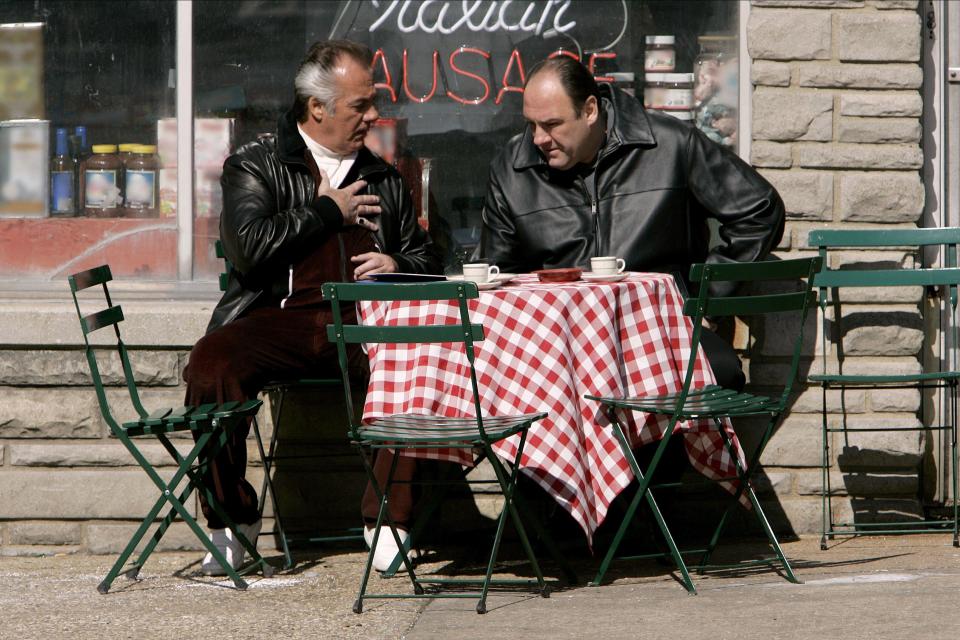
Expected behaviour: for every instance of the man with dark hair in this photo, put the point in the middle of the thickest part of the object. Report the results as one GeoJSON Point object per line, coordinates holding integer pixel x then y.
{"type": "Point", "coordinates": [310, 206]}
{"type": "Point", "coordinates": [595, 174]}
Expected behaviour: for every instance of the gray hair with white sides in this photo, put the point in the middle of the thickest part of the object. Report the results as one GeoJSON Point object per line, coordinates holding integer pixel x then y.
{"type": "Point", "coordinates": [316, 77]}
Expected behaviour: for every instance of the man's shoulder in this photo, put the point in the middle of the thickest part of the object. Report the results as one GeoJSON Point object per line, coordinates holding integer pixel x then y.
{"type": "Point", "coordinates": [261, 151]}
{"type": "Point", "coordinates": [503, 161]}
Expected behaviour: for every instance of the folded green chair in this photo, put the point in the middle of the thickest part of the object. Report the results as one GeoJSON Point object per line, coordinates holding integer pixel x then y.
{"type": "Point", "coordinates": [413, 431]}
{"type": "Point", "coordinates": [937, 287]}
{"type": "Point", "coordinates": [210, 425]}
{"type": "Point", "coordinates": [715, 403]}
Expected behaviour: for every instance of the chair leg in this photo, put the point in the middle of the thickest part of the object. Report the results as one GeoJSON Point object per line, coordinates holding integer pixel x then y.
{"type": "Point", "coordinates": [168, 495]}
{"type": "Point", "coordinates": [508, 486]}
{"type": "Point", "coordinates": [643, 491]}
{"type": "Point", "coordinates": [954, 457]}
{"type": "Point", "coordinates": [267, 485]}
{"type": "Point", "coordinates": [745, 487]}
{"type": "Point", "coordinates": [826, 501]}
{"type": "Point", "coordinates": [423, 518]}
{"type": "Point", "coordinates": [384, 512]}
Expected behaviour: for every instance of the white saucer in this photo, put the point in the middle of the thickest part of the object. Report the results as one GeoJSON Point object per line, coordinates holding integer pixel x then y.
{"type": "Point", "coordinates": [504, 278]}
{"type": "Point", "coordinates": [603, 277]}
{"type": "Point", "coordinates": [482, 286]}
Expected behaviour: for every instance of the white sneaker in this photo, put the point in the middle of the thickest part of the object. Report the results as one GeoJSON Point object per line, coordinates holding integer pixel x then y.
{"type": "Point", "coordinates": [229, 545]}
{"type": "Point", "coordinates": [387, 548]}
{"type": "Point", "coordinates": [222, 540]}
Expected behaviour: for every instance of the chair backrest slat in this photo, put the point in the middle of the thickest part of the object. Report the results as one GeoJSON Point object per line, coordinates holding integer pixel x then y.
{"type": "Point", "coordinates": [354, 334]}
{"type": "Point", "coordinates": [105, 318]}
{"type": "Point", "coordinates": [387, 292]}
{"type": "Point", "coordinates": [753, 271]}
{"type": "Point", "coordinates": [751, 305]}
{"type": "Point", "coordinates": [883, 237]}
{"type": "Point", "coordinates": [887, 278]}
{"type": "Point", "coordinates": [109, 317]}
{"type": "Point", "coordinates": [89, 278]}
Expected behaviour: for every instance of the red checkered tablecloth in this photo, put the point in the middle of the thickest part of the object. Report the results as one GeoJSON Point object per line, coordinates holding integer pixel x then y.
{"type": "Point", "coordinates": [546, 346]}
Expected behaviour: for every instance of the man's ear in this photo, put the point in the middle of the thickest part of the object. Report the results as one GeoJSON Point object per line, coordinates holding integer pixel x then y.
{"type": "Point", "coordinates": [591, 110]}
{"type": "Point", "coordinates": [315, 107]}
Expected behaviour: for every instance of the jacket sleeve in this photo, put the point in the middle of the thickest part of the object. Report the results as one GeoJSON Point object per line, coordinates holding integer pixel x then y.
{"type": "Point", "coordinates": [255, 234]}
{"type": "Point", "coordinates": [417, 253]}
{"type": "Point", "coordinates": [498, 241]}
{"type": "Point", "coordinates": [748, 208]}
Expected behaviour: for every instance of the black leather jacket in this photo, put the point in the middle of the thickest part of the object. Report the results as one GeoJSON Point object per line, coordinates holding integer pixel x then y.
{"type": "Point", "coordinates": [657, 181]}
{"type": "Point", "coordinates": [272, 219]}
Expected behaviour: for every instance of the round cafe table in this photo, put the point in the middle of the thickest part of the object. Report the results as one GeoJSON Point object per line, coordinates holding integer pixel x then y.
{"type": "Point", "coordinates": [545, 347]}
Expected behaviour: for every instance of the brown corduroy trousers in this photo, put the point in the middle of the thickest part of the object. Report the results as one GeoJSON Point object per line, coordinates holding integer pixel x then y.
{"type": "Point", "coordinates": [235, 361]}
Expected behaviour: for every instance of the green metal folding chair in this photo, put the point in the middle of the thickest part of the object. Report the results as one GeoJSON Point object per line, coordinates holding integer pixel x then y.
{"type": "Point", "coordinates": [715, 403]}
{"type": "Point", "coordinates": [279, 390]}
{"type": "Point", "coordinates": [211, 425]}
{"type": "Point", "coordinates": [412, 431]}
{"type": "Point", "coordinates": [939, 284]}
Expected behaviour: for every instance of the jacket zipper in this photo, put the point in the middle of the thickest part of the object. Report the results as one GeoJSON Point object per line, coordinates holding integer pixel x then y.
{"type": "Point", "coordinates": [594, 212]}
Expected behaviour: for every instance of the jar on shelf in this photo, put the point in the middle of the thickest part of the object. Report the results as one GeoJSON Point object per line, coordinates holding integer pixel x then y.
{"type": "Point", "coordinates": [100, 182]}
{"type": "Point", "coordinates": [142, 183]}
{"type": "Point", "coordinates": [660, 55]}
{"type": "Point", "coordinates": [624, 80]}
{"type": "Point", "coordinates": [716, 89]}
{"type": "Point", "coordinates": [668, 91]}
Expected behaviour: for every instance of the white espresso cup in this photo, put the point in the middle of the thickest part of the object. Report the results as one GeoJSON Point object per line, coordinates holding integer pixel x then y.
{"type": "Point", "coordinates": [480, 272]}
{"type": "Point", "coordinates": [607, 265]}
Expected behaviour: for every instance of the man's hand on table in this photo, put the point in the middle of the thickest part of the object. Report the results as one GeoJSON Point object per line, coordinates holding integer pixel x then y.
{"type": "Point", "coordinates": [370, 263]}
{"type": "Point", "coordinates": [353, 207]}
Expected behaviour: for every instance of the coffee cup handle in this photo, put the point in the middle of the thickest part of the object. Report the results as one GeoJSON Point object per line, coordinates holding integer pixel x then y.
{"type": "Point", "coordinates": [493, 272]}
{"type": "Point", "coordinates": [621, 265]}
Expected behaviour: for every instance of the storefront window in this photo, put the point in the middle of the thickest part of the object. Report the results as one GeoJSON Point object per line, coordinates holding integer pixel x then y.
{"type": "Point", "coordinates": [449, 76]}
{"type": "Point", "coordinates": [449, 80]}
{"type": "Point", "coordinates": [79, 80]}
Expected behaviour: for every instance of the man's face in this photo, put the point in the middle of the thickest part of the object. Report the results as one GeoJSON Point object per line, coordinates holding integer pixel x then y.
{"type": "Point", "coordinates": [562, 137]}
{"type": "Point", "coordinates": [343, 128]}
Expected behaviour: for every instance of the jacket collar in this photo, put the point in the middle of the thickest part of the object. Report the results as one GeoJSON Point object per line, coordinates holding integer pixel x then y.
{"type": "Point", "coordinates": [627, 124]}
{"type": "Point", "coordinates": [293, 150]}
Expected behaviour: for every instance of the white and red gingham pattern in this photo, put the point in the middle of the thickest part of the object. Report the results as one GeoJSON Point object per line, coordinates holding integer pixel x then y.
{"type": "Point", "coordinates": [545, 347]}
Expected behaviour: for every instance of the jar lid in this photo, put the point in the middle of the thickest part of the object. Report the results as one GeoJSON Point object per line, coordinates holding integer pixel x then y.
{"type": "Point", "coordinates": [672, 78]}
{"type": "Point", "coordinates": [104, 148]}
{"type": "Point", "coordinates": [661, 39]}
{"type": "Point", "coordinates": [145, 149]}
{"type": "Point", "coordinates": [128, 146]}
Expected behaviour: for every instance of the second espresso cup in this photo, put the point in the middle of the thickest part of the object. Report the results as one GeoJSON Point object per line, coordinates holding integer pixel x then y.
{"type": "Point", "coordinates": [480, 272]}
{"type": "Point", "coordinates": [607, 265]}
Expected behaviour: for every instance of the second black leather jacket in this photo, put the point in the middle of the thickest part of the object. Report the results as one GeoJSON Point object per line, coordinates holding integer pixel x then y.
{"type": "Point", "coordinates": [271, 218]}
{"type": "Point", "coordinates": [657, 182]}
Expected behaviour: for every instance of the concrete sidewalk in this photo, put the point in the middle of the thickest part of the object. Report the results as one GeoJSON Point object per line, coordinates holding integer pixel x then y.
{"type": "Point", "coordinates": [884, 587]}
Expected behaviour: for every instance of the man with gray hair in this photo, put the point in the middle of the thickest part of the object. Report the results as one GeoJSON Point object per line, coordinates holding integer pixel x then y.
{"type": "Point", "coordinates": [310, 206]}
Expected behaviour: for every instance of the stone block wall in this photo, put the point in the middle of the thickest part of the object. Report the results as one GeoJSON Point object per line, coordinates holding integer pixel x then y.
{"type": "Point", "coordinates": [837, 129]}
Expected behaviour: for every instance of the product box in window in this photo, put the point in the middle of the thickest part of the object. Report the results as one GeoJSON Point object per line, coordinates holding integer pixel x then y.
{"type": "Point", "coordinates": [387, 137]}
{"type": "Point", "coordinates": [21, 71]}
{"type": "Point", "coordinates": [209, 195]}
{"type": "Point", "coordinates": [208, 200]}
{"type": "Point", "coordinates": [213, 142]}
{"type": "Point", "coordinates": [24, 168]}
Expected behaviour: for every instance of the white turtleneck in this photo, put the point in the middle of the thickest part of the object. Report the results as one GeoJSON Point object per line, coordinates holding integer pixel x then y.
{"type": "Point", "coordinates": [336, 166]}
